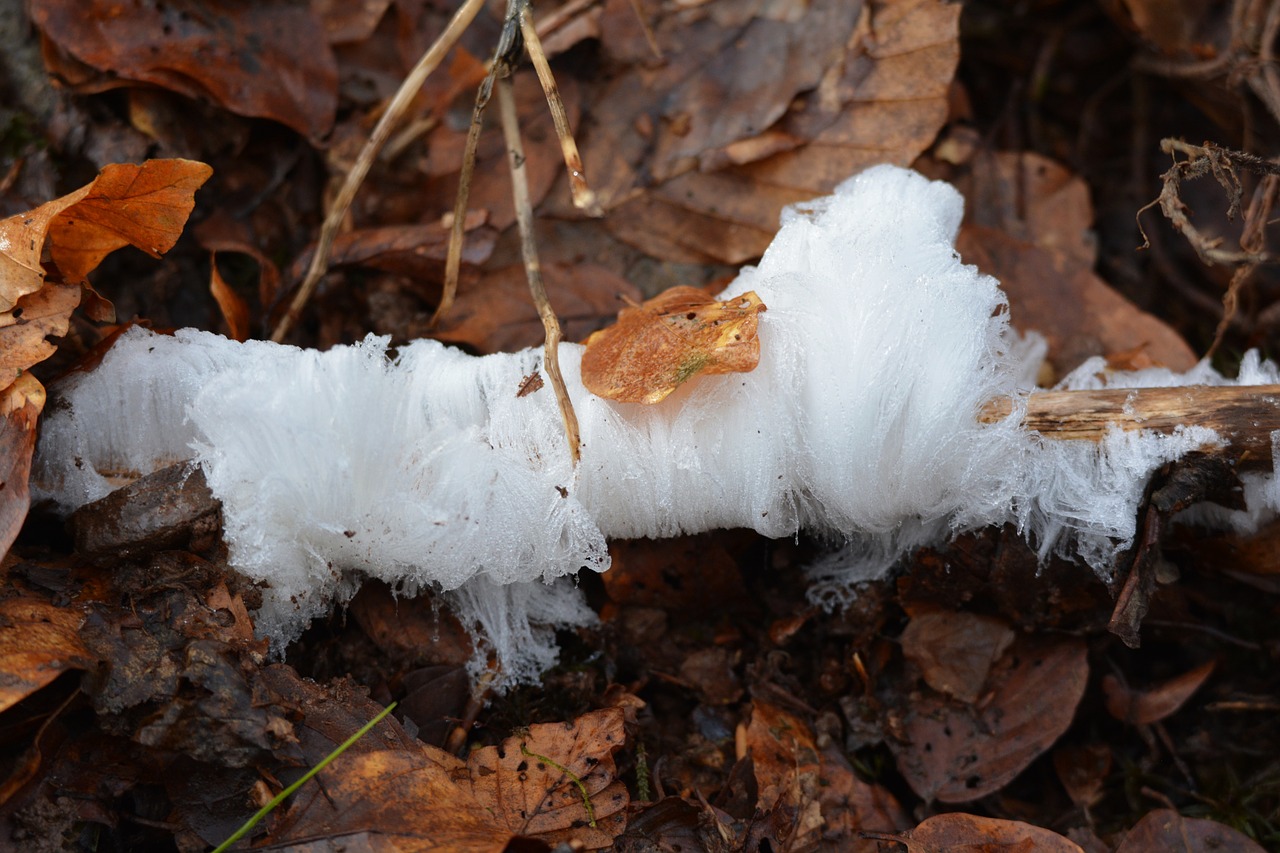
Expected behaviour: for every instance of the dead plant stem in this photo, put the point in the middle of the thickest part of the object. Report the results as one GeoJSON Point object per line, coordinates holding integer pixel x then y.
{"type": "Point", "coordinates": [533, 270]}
{"type": "Point", "coordinates": [386, 124]}
{"type": "Point", "coordinates": [584, 198]}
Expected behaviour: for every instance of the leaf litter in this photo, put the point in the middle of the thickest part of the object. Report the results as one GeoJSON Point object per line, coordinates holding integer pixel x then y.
{"type": "Point", "coordinates": [143, 711]}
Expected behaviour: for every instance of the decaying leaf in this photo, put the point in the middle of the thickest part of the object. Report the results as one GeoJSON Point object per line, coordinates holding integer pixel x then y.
{"type": "Point", "coordinates": [955, 650]}
{"type": "Point", "coordinates": [145, 206]}
{"type": "Point", "coordinates": [656, 347]}
{"type": "Point", "coordinates": [38, 642]}
{"type": "Point", "coordinates": [966, 833]}
{"type": "Point", "coordinates": [787, 768]}
{"type": "Point", "coordinates": [256, 59]}
{"type": "Point", "coordinates": [395, 799]}
{"type": "Point", "coordinates": [557, 782]}
{"type": "Point", "coordinates": [882, 72]}
{"type": "Point", "coordinates": [1144, 707]}
{"type": "Point", "coordinates": [20, 405]}
{"type": "Point", "coordinates": [1169, 832]}
{"type": "Point", "coordinates": [956, 754]}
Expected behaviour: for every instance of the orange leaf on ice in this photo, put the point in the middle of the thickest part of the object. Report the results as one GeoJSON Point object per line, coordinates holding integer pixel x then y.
{"type": "Point", "coordinates": [656, 347]}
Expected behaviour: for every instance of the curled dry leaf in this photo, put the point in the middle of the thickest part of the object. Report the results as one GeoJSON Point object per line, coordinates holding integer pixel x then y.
{"type": "Point", "coordinates": [394, 799]}
{"type": "Point", "coordinates": [955, 650]}
{"type": "Point", "coordinates": [20, 405]}
{"type": "Point", "coordinates": [145, 206]}
{"type": "Point", "coordinates": [784, 758]}
{"type": "Point", "coordinates": [270, 60]}
{"type": "Point", "coordinates": [1143, 707]}
{"type": "Point", "coordinates": [656, 347]}
{"type": "Point", "coordinates": [45, 313]}
{"type": "Point", "coordinates": [1166, 831]}
{"type": "Point", "coordinates": [556, 782]}
{"type": "Point", "coordinates": [234, 310]}
{"type": "Point", "coordinates": [966, 833]}
{"type": "Point", "coordinates": [38, 642]}
{"type": "Point", "coordinates": [695, 164]}
{"type": "Point", "coordinates": [959, 753]}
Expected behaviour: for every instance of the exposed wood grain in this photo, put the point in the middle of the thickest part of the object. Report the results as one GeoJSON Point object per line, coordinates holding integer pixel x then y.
{"type": "Point", "coordinates": [1245, 416]}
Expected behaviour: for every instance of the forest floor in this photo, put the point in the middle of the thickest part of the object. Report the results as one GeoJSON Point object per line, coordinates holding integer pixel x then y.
{"type": "Point", "coordinates": [976, 700]}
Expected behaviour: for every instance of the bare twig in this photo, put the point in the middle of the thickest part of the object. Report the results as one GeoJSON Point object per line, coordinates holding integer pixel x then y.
{"type": "Point", "coordinates": [529, 253]}
{"type": "Point", "coordinates": [504, 57]}
{"type": "Point", "coordinates": [583, 196]}
{"type": "Point", "coordinates": [1244, 416]}
{"type": "Point", "coordinates": [390, 117]}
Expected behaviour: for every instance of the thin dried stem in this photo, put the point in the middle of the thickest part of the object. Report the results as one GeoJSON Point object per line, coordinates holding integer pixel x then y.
{"type": "Point", "coordinates": [453, 258]}
{"type": "Point", "coordinates": [584, 198]}
{"type": "Point", "coordinates": [504, 59]}
{"type": "Point", "coordinates": [529, 253]}
{"type": "Point", "coordinates": [399, 103]}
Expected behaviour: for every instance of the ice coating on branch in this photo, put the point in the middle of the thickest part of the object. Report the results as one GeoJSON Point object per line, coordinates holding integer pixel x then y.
{"type": "Point", "coordinates": [879, 348]}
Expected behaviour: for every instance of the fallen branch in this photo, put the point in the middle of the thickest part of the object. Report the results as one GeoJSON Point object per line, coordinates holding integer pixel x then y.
{"type": "Point", "coordinates": [1244, 417]}
{"type": "Point", "coordinates": [863, 421]}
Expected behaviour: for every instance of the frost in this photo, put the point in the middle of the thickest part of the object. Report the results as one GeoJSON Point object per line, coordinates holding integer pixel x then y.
{"type": "Point", "coordinates": [879, 348]}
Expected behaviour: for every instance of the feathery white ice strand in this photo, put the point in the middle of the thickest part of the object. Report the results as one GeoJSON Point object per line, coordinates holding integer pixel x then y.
{"type": "Point", "coordinates": [426, 469]}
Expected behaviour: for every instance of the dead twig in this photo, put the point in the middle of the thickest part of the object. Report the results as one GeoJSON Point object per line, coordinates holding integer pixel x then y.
{"type": "Point", "coordinates": [505, 57]}
{"type": "Point", "coordinates": [1244, 416]}
{"type": "Point", "coordinates": [386, 124]}
{"type": "Point", "coordinates": [518, 33]}
{"type": "Point", "coordinates": [583, 196]}
{"type": "Point", "coordinates": [1224, 165]}
{"type": "Point", "coordinates": [529, 254]}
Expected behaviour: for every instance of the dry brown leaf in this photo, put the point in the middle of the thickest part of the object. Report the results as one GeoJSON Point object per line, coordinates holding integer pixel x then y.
{"type": "Point", "coordinates": [269, 60]}
{"type": "Point", "coordinates": [20, 406]}
{"type": "Point", "coordinates": [850, 806]}
{"type": "Point", "coordinates": [234, 311]}
{"type": "Point", "coordinates": [38, 642]}
{"type": "Point", "coordinates": [23, 329]}
{"type": "Point", "coordinates": [955, 650]}
{"type": "Point", "coordinates": [958, 753]}
{"type": "Point", "coordinates": [22, 239]}
{"type": "Point", "coordinates": [966, 833]}
{"type": "Point", "coordinates": [496, 313]}
{"type": "Point", "coordinates": [1082, 770]}
{"type": "Point", "coordinates": [1144, 707]}
{"type": "Point", "coordinates": [681, 333]}
{"type": "Point", "coordinates": [557, 782]}
{"type": "Point", "coordinates": [1027, 221]}
{"type": "Point", "coordinates": [144, 206]}
{"type": "Point", "coordinates": [787, 768]}
{"type": "Point", "coordinates": [881, 97]}
{"type": "Point", "coordinates": [1166, 831]}
{"type": "Point", "coordinates": [413, 799]}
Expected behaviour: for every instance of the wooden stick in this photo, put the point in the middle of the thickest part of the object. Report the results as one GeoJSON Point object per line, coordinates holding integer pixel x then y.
{"type": "Point", "coordinates": [584, 198]}
{"type": "Point", "coordinates": [1244, 415]}
{"type": "Point", "coordinates": [390, 118]}
{"type": "Point", "coordinates": [533, 270]}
